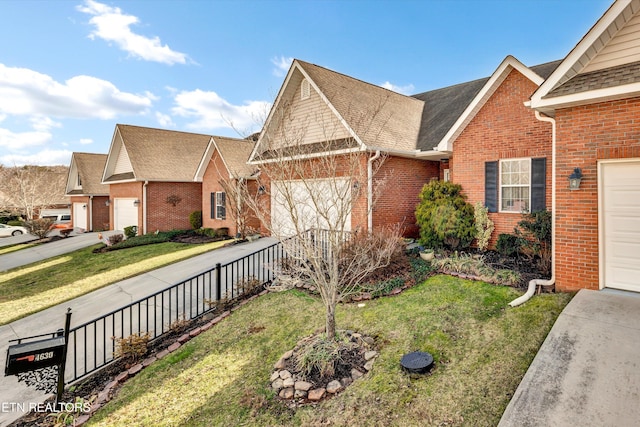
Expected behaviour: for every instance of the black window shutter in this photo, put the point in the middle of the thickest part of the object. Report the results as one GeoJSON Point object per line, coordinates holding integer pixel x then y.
{"type": "Point", "coordinates": [213, 205]}
{"type": "Point", "coordinates": [538, 184]}
{"type": "Point", "coordinates": [491, 186]}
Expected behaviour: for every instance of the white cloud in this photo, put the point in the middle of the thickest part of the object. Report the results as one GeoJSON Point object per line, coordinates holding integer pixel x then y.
{"type": "Point", "coordinates": [210, 111]}
{"type": "Point", "coordinates": [164, 120]}
{"type": "Point", "coordinates": [44, 157]}
{"type": "Point", "coordinates": [86, 141]}
{"type": "Point", "coordinates": [112, 25]}
{"type": "Point", "coordinates": [405, 90]}
{"type": "Point", "coordinates": [30, 93]}
{"type": "Point", "coordinates": [43, 123]}
{"type": "Point", "coordinates": [282, 65]}
{"type": "Point", "coordinates": [17, 141]}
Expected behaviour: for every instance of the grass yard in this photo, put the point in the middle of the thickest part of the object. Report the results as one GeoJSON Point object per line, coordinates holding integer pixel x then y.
{"type": "Point", "coordinates": [16, 247]}
{"type": "Point", "coordinates": [481, 347]}
{"type": "Point", "coordinates": [35, 287]}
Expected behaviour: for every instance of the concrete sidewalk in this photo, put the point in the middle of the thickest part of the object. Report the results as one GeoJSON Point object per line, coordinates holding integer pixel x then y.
{"type": "Point", "coordinates": [587, 372]}
{"type": "Point", "coordinates": [48, 250]}
{"type": "Point", "coordinates": [100, 302]}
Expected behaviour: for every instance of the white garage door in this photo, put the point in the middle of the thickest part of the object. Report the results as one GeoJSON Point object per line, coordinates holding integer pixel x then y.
{"type": "Point", "coordinates": [620, 205]}
{"type": "Point", "coordinates": [125, 213]}
{"type": "Point", "coordinates": [310, 204]}
{"type": "Point", "coordinates": [80, 215]}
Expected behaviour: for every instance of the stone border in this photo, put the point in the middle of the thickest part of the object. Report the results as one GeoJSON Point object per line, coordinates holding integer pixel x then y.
{"type": "Point", "coordinates": [108, 392]}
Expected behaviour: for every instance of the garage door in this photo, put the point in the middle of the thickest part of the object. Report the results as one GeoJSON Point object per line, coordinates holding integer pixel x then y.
{"type": "Point", "coordinates": [620, 205]}
{"type": "Point", "coordinates": [125, 213]}
{"type": "Point", "coordinates": [310, 204]}
{"type": "Point", "coordinates": [80, 215]}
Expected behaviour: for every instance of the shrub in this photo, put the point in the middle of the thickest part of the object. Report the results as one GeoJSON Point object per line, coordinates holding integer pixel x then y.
{"type": "Point", "coordinates": [534, 231]}
{"type": "Point", "coordinates": [444, 217]}
{"type": "Point", "coordinates": [222, 231]}
{"type": "Point", "coordinates": [131, 231]}
{"type": "Point", "coordinates": [114, 239]}
{"type": "Point", "coordinates": [195, 219]}
{"type": "Point", "coordinates": [318, 354]}
{"type": "Point", "coordinates": [132, 348]}
{"type": "Point", "coordinates": [484, 226]}
{"type": "Point", "coordinates": [508, 244]}
{"type": "Point", "coordinates": [39, 227]}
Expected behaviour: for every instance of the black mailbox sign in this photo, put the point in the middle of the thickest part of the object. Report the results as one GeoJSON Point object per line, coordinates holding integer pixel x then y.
{"type": "Point", "coordinates": [34, 355]}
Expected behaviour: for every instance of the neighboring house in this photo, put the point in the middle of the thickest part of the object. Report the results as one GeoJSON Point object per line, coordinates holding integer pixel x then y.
{"type": "Point", "coordinates": [152, 178]}
{"type": "Point", "coordinates": [89, 197]}
{"type": "Point", "coordinates": [225, 174]}
{"type": "Point", "coordinates": [593, 97]}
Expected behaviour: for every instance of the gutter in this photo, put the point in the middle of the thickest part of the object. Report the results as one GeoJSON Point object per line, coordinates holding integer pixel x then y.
{"type": "Point", "coordinates": [535, 282]}
{"type": "Point", "coordinates": [91, 212]}
{"type": "Point", "coordinates": [370, 190]}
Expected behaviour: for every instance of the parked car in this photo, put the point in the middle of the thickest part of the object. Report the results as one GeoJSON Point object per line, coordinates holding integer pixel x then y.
{"type": "Point", "coordinates": [60, 220]}
{"type": "Point", "coordinates": [12, 230]}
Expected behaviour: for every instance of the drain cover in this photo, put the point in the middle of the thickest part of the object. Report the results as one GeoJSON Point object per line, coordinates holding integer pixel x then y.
{"type": "Point", "coordinates": [418, 362]}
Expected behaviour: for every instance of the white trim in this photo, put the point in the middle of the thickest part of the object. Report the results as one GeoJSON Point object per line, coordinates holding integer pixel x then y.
{"type": "Point", "coordinates": [307, 156]}
{"type": "Point", "coordinates": [578, 51]}
{"type": "Point", "coordinates": [500, 210]}
{"type": "Point", "coordinates": [587, 97]}
{"type": "Point", "coordinates": [499, 75]}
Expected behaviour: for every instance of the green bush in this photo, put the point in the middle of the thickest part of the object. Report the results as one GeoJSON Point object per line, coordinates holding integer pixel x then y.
{"type": "Point", "coordinates": [484, 226]}
{"type": "Point", "coordinates": [508, 244]}
{"type": "Point", "coordinates": [534, 231]}
{"type": "Point", "coordinates": [131, 231]}
{"type": "Point", "coordinates": [195, 219]}
{"type": "Point", "coordinates": [444, 216]}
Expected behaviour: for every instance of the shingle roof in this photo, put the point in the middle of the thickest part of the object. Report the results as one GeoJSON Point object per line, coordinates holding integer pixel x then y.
{"type": "Point", "coordinates": [600, 79]}
{"type": "Point", "coordinates": [442, 107]}
{"type": "Point", "coordinates": [545, 70]}
{"type": "Point", "coordinates": [381, 118]}
{"type": "Point", "coordinates": [90, 167]}
{"type": "Point", "coordinates": [235, 153]}
{"type": "Point", "coordinates": [163, 155]}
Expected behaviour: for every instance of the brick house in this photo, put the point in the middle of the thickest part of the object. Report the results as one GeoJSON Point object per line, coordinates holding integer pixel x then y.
{"type": "Point", "coordinates": [152, 178]}
{"type": "Point", "coordinates": [223, 171]}
{"type": "Point", "coordinates": [593, 100]}
{"type": "Point", "coordinates": [89, 197]}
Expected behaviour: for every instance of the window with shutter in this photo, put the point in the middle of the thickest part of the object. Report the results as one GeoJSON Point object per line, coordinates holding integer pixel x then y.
{"type": "Point", "coordinates": [515, 185]}
{"type": "Point", "coordinates": [212, 205]}
{"type": "Point", "coordinates": [221, 207]}
{"type": "Point", "coordinates": [491, 186]}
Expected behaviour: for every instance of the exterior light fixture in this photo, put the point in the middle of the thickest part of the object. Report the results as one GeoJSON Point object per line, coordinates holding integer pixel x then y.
{"type": "Point", "coordinates": [107, 202]}
{"type": "Point", "coordinates": [84, 206]}
{"type": "Point", "coordinates": [261, 190]}
{"type": "Point", "coordinates": [356, 185]}
{"type": "Point", "coordinates": [136, 203]}
{"type": "Point", "coordinates": [575, 178]}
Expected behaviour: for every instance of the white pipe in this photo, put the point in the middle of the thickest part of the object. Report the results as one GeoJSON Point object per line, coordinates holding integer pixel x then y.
{"type": "Point", "coordinates": [535, 282]}
{"type": "Point", "coordinates": [370, 190]}
{"type": "Point", "coordinates": [91, 213]}
{"type": "Point", "coordinates": [144, 207]}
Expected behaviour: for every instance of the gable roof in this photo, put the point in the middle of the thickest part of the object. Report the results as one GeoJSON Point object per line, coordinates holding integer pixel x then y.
{"type": "Point", "coordinates": [449, 110]}
{"type": "Point", "coordinates": [604, 65]}
{"type": "Point", "coordinates": [234, 153]}
{"type": "Point", "coordinates": [148, 154]}
{"type": "Point", "coordinates": [89, 167]}
{"type": "Point", "coordinates": [375, 117]}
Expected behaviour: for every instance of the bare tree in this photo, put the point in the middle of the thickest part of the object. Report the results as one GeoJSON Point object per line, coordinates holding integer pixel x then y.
{"type": "Point", "coordinates": [25, 189]}
{"type": "Point", "coordinates": [315, 198]}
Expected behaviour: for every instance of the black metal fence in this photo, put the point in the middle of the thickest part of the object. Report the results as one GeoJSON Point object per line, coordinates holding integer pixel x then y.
{"type": "Point", "coordinates": [92, 344]}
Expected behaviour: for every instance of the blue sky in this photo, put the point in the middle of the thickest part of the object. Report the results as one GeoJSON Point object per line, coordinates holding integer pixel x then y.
{"type": "Point", "coordinates": [71, 70]}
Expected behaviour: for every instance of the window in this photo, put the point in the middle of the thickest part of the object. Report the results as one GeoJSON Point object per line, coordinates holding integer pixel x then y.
{"type": "Point", "coordinates": [515, 185]}
{"type": "Point", "coordinates": [79, 181]}
{"type": "Point", "coordinates": [221, 206]}
{"type": "Point", "coordinates": [305, 89]}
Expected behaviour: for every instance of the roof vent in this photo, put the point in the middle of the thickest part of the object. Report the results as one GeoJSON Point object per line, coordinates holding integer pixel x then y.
{"type": "Point", "coordinates": [305, 89]}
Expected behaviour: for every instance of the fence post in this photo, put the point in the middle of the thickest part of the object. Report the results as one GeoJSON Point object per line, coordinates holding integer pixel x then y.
{"type": "Point", "coordinates": [62, 366]}
{"type": "Point", "coordinates": [218, 282]}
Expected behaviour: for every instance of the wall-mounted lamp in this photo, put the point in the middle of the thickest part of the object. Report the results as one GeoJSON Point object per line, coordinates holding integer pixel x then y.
{"type": "Point", "coordinates": [355, 185]}
{"type": "Point", "coordinates": [84, 206]}
{"type": "Point", "coordinates": [261, 190]}
{"type": "Point", "coordinates": [136, 203]}
{"type": "Point", "coordinates": [107, 202]}
{"type": "Point", "coordinates": [575, 178]}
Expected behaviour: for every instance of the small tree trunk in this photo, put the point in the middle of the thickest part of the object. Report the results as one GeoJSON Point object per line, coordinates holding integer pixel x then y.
{"type": "Point", "coordinates": [330, 328]}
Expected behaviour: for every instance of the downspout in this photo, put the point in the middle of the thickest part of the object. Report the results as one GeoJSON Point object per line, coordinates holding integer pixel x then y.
{"type": "Point", "coordinates": [90, 213]}
{"type": "Point", "coordinates": [144, 207]}
{"type": "Point", "coordinates": [370, 190]}
{"type": "Point", "coordinates": [535, 282]}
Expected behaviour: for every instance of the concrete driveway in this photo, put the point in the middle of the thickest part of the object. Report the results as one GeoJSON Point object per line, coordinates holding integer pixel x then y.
{"type": "Point", "coordinates": [587, 372]}
{"type": "Point", "coordinates": [102, 301]}
{"type": "Point", "coordinates": [47, 250]}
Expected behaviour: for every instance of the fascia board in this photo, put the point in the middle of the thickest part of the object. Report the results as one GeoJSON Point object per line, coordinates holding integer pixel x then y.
{"type": "Point", "coordinates": [588, 97]}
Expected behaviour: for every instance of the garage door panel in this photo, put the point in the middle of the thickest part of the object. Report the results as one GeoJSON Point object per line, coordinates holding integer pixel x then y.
{"type": "Point", "coordinates": [621, 224]}
{"type": "Point", "coordinates": [125, 213]}
{"type": "Point", "coordinates": [79, 216]}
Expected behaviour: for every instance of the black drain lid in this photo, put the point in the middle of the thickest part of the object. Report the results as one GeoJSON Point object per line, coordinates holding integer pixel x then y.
{"type": "Point", "coordinates": [418, 362]}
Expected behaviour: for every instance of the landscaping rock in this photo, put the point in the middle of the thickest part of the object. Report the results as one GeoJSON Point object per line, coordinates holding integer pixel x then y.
{"type": "Point", "coordinates": [303, 386]}
{"type": "Point", "coordinates": [368, 340]}
{"type": "Point", "coordinates": [288, 354]}
{"type": "Point", "coordinates": [366, 296]}
{"type": "Point", "coordinates": [355, 374]}
{"type": "Point", "coordinates": [135, 369]}
{"type": "Point", "coordinates": [317, 394]}
{"type": "Point", "coordinates": [334, 387]}
{"type": "Point", "coordinates": [277, 384]}
{"type": "Point", "coordinates": [287, 393]}
{"type": "Point", "coordinates": [148, 361]}
{"type": "Point", "coordinates": [370, 355]}
{"type": "Point", "coordinates": [195, 332]}
{"type": "Point", "coordinates": [184, 338]}
{"type": "Point", "coordinates": [81, 420]}
{"type": "Point", "coordinates": [346, 382]}
{"type": "Point", "coordinates": [173, 347]}
{"type": "Point", "coordinates": [289, 382]}
{"type": "Point", "coordinates": [122, 376]}
{"type": "Point", "coordinates": [396, 291]}
{"type": "Point", "coordinates": [284, 374]}
{"type": "Point", "coordinates": [300, 394]}
{"type": "Point", "coordinates": [280, 364]}
{"type": "Point", "coordinates": [369, 365]}
{"type": "Point", "coordinates": [274, 376]}
{"type": "Point", "coordinates": [162, 354]}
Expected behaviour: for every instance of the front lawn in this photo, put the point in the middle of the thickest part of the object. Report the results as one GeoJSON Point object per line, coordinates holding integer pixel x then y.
{"type": "Point", "coordinates": [35, 287]}
{"type": "Point", "coordinates": [481, 347]}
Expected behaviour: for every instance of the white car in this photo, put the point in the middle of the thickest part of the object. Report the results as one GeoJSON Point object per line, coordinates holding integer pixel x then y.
{"type": "Point", "coordinates": [12, 230]}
